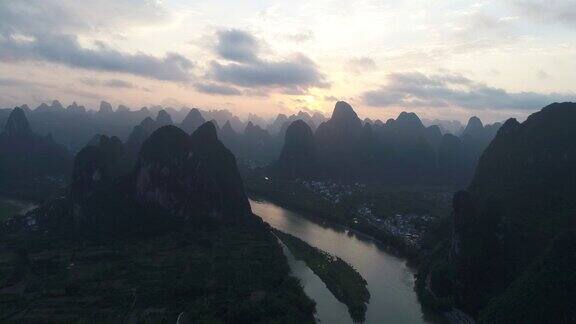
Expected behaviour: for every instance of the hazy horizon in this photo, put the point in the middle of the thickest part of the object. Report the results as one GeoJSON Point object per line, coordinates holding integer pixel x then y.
{"type": "Point", "coordinates": [450, 61]}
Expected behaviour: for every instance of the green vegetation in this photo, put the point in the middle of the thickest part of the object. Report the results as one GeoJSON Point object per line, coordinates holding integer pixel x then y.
{"type": "Point", "coordinates": [221, 275]}
{"type": "Point", "coordinates": [545, 292]}
{"type": "Point", "coordinates": [345, 283]}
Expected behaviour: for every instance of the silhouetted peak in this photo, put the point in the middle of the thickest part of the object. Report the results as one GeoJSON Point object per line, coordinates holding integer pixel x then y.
{"type": "Point", "coordinates": [122, 109]}
{"type": "Point", "coordinates": [148, 124]}
{"type": "Point", "coordinates": [25, 108]}
{"type": "Point", "coordinates": [298, 156]}
{"type": "Point", "coordinates": [227, 131]}
{"type": "Point", "coordinates": [252, 129]}
{"type": "Point", "coordinates": [509, 126]}
{"type": "Point", "coordinates": [206, 133]}
{"type": "Point", "coordinates": [343, 111]}
{"type": "Point", "coordinates": [227, 125]}
{"type": "Point", "coordinates": [193, 120]}
{"type": "Point", "coordinates": [367, 121]}
{"type": "Point", "coordinates": [74, 108]}
{"type": "Point", "coordinates": [303, 115]}
{"type": "Point", "coordinates": [56, 105]}
{"type": "Point", "coordinates": [474, 126]}
{"type": "Point", "coordinates": [194, 113]}
{"type": "Point", "coordinates": [17, 124]}
{"type": "Point", "coordinates": [42, 107]}
{"type": "Point", "coordinates": [409, 121]}
{"type": "Point", "coordinates": [105, 107]}
{"type": "Point", "coordinates": [163, 118]}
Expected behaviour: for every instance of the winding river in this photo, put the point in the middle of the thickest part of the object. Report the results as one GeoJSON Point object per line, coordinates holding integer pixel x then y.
{"type": "Point", "coordinates": [390, 281]}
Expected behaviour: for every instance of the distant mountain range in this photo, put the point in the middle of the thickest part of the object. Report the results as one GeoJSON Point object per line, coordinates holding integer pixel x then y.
{"type": "Point", "coordinates": [339, 141]}
{"type": "Point", "coordinates": [401, 150]}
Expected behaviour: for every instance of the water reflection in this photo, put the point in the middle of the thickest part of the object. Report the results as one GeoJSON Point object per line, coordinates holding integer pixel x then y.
{"type": "Point", "coordinates": [390, 281]}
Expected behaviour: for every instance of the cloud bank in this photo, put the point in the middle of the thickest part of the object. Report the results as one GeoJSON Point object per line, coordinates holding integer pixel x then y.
{"type": "Point", "coordinates": [47, 31]}
{"type": "Point", "coordinates": [415, 90]}
{"type": "Point", "coordinates": [293, 75]}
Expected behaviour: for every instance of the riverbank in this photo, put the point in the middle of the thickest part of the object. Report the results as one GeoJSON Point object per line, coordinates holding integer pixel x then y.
{"type": "Point", "coordinates": [405, 221]}
{"type": "Point", "coordinates": [343, 281]}
{"type": "Point", "coordinates": [390, 281]}
{"type": "Point", "coordinates": [320, 210]}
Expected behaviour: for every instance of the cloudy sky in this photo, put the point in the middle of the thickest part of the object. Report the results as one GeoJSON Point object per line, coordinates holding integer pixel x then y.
{"type": "Point", "coordinates": [441, 59]}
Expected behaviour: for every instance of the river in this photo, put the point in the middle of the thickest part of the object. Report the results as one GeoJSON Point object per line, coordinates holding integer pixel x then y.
{"type": "Point", "coordinates": [390, 281]}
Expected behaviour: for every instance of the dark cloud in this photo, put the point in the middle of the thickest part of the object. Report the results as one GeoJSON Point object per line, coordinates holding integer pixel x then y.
{"type": "Point", "coordinates": [111, 83]}
{"type": "Point", "coordinates": [214, 88]}
{"type": "Point", "coordinates": [293, 75]}
{"type": "Point", "coordinates": [361, 64]}
{"type": "Point", "coordinates": [66, 50]}
{"type": "Point", "coordinates": [71, 16]}
{"type": "Point", "coordinates": [415, 90]}
{"type": "Point", "coordinates": [556, 11]}
{"type": "Point", "coordinates": [237, 45]}
{"type": "Point", "coordinates": [47, 30]}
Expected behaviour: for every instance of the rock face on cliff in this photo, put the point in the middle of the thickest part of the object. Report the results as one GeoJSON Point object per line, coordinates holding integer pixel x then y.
{"type": "Point", "coordinates": [190, 175]}
{"type": "Point", "coordinates": [522, 199]}
{"type": "Point", "coordinates": [298, 158]}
